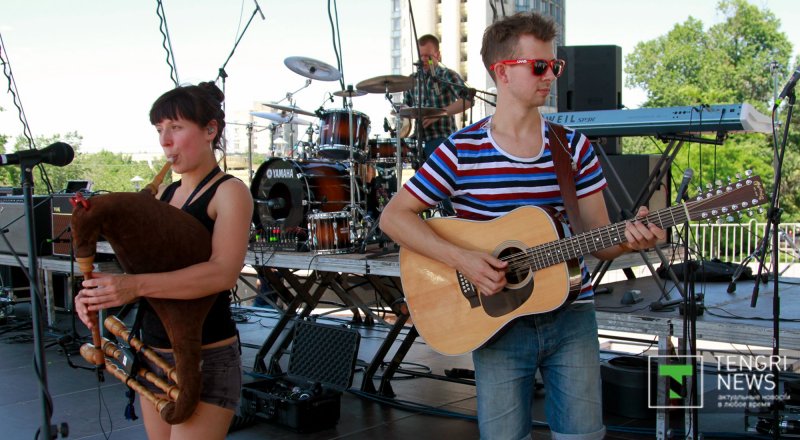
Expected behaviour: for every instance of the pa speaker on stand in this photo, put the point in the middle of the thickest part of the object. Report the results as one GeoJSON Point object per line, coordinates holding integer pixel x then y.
{"type": "Point", "coordinates": [592, 81]}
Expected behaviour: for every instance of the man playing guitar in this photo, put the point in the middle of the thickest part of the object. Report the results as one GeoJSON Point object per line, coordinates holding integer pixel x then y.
{"type": "Point", "coordinates": [489, 169]}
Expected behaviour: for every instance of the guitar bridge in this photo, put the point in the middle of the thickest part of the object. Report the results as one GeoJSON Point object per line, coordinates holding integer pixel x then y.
{"type": "Point", "coordinates": [468, 290]}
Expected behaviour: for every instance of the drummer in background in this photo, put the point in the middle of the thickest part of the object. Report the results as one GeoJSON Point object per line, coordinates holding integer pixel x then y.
{"type": "Point", "coordinates": [437, 93]}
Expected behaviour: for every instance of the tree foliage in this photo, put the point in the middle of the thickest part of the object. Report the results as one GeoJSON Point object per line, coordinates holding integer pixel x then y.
{"type": "Point", "coordinates": [108, 171]}
{"type": "Point", "coordinates": [730, 62]}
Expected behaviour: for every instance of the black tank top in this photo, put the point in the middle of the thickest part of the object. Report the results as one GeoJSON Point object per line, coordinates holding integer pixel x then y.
{"type": "Point", "coordinates": [219, 323]}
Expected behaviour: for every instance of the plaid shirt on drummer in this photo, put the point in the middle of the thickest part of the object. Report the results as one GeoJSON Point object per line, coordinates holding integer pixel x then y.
{"type": "Point", "coordinates": [438, 95]}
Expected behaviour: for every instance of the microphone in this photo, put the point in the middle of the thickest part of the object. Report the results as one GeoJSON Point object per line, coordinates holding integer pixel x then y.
{"type": "Point", "coordinates": [258, 8]}
{"type": "Point", "coordinates": [687, 177]}
{"type": "Point", "coordinates": [789, 86]}
{"type": "Point", "coordinates": [386, 127]}
{"type": "Point", "coordinates": [431, 73]}
{"type": "Point", "coordinates": [58, 154]}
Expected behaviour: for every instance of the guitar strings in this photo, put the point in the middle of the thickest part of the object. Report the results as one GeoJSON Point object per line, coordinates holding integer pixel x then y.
{"type": "Point", "coordinates": [544, 253]}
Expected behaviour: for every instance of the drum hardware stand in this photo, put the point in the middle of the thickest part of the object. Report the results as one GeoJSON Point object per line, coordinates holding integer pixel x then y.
{"type": "Point", "coordinates": [355, 209]}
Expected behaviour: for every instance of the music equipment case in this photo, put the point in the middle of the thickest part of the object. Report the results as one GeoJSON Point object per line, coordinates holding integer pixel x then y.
{"type": "Point", "coordinates": [308, 397]}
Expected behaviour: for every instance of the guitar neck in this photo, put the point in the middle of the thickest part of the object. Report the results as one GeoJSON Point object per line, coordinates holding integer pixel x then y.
{"type": "Point", "coordinates": [548, 254]}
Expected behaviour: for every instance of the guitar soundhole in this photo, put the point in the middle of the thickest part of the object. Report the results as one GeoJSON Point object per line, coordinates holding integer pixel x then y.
{"type": "Point", "coordinates": [516, 272]}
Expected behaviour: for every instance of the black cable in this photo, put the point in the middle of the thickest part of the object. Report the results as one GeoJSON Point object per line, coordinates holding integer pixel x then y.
{"type": "Point", "coordinates": [12, 88]}
{"type": "Point", "coordinates": [166, 42]}
{"type": "Point", "coordinates": [101, 403]}
{"type": "Point", "coordinates": [334, 35]}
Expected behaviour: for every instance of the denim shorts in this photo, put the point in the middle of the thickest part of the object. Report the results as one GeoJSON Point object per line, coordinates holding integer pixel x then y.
{"type": "Point", "coordinates": [561, 344]}
{"type": "Point", "coordinates": [221, 373]}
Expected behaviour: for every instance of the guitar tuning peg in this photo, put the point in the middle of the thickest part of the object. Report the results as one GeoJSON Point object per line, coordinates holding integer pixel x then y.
{"type": "Point", "coordinates": [738, 176]}
{"type": "Point", "coordinates": [748, 173]}
{"type": "Point", "coordinates": [761, 210]}
{"type": "Point", "coordinates": [718, 182]}
{"type": "Point", "coordinates": [709, 186]}
{"type": "Point", "coordinates": [729, 219]}
{"type": "Point", "coordinates": [719, 221]}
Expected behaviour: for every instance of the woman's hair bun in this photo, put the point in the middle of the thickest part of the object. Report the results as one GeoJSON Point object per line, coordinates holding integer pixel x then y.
{"type": "Point", "coordinates": [212, 90]}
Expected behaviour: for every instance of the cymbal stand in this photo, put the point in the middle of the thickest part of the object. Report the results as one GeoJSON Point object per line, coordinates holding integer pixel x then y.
{"type": "Point", "coordinates": [290, 95]}
{"type": "Point", "coordinates": [354, 208]}
{"type": "Point", "coordinates": [398, 141]}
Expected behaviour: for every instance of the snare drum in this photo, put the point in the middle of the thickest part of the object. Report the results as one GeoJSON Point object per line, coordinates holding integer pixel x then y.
{"type": "Point", "coordinates": [385, 150]}
{"type": "Point", "coordinates": [334, 135]}
{"type": "Point", "coordinates": [329, 232]}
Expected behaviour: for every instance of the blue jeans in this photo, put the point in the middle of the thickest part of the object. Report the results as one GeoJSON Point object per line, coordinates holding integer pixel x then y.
{"type": "Point", "coordinates": [563, 344]}
{"type": "Point", "coordinates": [428, 149]}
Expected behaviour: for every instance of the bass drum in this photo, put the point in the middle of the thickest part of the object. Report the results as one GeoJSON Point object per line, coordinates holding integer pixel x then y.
{"type": "Point", "coordinates": [285, 191]}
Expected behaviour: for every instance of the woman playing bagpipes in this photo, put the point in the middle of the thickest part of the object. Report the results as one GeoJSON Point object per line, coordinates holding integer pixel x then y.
{"type": "Point", "coordinates": [189, 121]}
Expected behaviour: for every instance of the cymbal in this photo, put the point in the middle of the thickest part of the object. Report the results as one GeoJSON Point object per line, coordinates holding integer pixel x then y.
{"type": "Point", "coordinates": [386, 83]}
{"type": "Point", "coordinates": [349, 93]}
{"type": "Point", "coordinates": [311, 68]}
{"type": "Point", "coordinates": [423, 112]}
{"type": "Point", "coordinates": [281, 119]}
{"type": "Point", "coordinates": [289, 109]}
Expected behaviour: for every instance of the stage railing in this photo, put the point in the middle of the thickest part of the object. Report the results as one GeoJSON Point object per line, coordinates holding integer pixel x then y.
{"type": "Point", "coordinates": [734, 242]}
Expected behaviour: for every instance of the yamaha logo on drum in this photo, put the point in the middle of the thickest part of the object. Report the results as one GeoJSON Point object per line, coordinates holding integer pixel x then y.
{"type": "Point", "coordinates": [280, 173]}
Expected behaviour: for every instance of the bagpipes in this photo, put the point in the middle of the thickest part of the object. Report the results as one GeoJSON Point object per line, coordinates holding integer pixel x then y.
{"type": "Point", "coordinates": [148, 236]}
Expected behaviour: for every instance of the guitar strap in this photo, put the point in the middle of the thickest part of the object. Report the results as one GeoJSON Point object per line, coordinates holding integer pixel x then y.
{"type": "Point", "coordinates": [565, 173]}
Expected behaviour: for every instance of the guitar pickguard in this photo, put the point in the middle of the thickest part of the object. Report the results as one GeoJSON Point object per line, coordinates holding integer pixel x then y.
{"type": "Point", "coordinates": [519, 285]}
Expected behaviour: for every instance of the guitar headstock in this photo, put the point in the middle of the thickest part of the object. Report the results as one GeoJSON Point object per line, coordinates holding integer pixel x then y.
{"type": "Point", "coordinates": [727, 199]}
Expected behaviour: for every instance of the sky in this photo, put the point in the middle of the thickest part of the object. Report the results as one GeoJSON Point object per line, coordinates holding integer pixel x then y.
{"type": "Point", "coordinates": [96, 66]}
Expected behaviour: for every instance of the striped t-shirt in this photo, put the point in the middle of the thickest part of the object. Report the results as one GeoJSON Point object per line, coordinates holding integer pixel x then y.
{"type": "Point", "coordinates": [484, 182]}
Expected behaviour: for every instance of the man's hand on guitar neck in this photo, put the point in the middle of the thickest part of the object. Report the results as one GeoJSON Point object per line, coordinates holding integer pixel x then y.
{"type": "Point", "coordinates": [641, 236]}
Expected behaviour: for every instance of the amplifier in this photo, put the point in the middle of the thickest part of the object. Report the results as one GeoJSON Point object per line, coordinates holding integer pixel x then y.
{"type": "Point", "coordinates": [61, 232]}
{"type": "Point", "coordinates": [12, 218]}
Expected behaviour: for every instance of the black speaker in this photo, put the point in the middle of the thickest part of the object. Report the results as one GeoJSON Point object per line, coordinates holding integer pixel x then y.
{"type": "Point", "coordinates": [634, 170]}
{"type": "Point", "coordinates": [592, 80]}
{"type": "Point", "coordinates": [12, 218]}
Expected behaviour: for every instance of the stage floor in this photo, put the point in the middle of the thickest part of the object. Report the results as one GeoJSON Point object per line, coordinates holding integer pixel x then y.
{"type": "Point", "coordinates": [94, 412]}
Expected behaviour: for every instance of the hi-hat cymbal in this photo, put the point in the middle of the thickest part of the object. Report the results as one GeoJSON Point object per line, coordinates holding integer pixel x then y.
{"type": "Point", "coordinates": [386, 83]}
{"type": "Point", "coordinates": [289, 109]}
{"type": "Point", "coordinates": [311, 68]}
{"type": "Point", "coordinates": [423, 112]}
{"type": "Point", "coordinates": [281, 119]}
{"type": "Point", "coordinates": [349, 93]}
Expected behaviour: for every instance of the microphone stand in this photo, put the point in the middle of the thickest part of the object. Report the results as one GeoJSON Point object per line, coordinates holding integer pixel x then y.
{"type": "Point", "coordinates": [466, 92]}
{"type": "Point", "coordinates": [222, 74]}
{"type": "Point", "coordinates": [773, 222]}
{"type": "Point", "coordinates": [690, 312]}
{"type": "Point", "coordinates": [419, 128]}
{"type": "Point", "coordinates": [39, 363]}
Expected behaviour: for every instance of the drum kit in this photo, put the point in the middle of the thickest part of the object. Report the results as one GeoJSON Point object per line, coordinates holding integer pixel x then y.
{"type": "Point", "coordinates": [326, 197]}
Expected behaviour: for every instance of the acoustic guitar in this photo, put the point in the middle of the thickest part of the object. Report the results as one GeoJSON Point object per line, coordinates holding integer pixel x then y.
{"type": "Point", "coordinates": [543, 271]}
